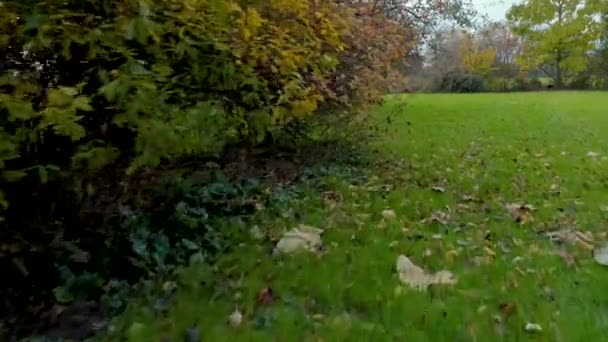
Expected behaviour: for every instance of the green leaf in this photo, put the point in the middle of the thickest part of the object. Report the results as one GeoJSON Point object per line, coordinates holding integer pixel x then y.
{"type": "Point", "coordinates": [13, 175]}
{"type": "Point", "coordinates": [63, 295]}
{"type": "Point", "coordinates": [58, 98]}
{"type": "Point", "coordinates": [70, 91]}
{"type": "Point", "coordinates": [191, 245]}
{"type": "Point", "coordinates": [17, 110]}
{"type": "Point", "coordinates": [43, 174]}
{"type": "Point", "coordinates": [83, 103]}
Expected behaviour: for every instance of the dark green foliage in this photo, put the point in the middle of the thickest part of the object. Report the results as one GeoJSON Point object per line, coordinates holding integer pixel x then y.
{"type": "Point", "coordinates": [523, 84]}
{"type": "Point", "coordinates": [462, 83]}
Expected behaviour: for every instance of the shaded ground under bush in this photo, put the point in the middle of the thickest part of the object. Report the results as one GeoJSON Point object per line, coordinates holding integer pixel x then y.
{"type": "Point", "coordinates": [95, 251]}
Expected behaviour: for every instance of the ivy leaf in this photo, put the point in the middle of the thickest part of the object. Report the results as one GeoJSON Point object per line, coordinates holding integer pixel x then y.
{"type": "Point", "coordinates": [63, 295]}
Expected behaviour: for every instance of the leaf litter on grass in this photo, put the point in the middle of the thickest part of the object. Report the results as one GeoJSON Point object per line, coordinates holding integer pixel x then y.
{"type": "Point", "coordinates": [522, 213]}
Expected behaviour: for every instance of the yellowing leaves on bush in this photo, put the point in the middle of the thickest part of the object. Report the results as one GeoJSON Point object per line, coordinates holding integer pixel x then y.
{"type": "Point", "coordinates": [85, 84]}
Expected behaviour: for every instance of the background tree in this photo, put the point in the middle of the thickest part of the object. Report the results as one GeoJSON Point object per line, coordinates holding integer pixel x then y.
{"type": "Point", "coordinates": [599, 57]}
{"type": "Point", "coordinates": [499, 36]}
{"type": "Point", "coordinates": [557, 35]}
{"type": "Point", "coordinates": [476, 60]}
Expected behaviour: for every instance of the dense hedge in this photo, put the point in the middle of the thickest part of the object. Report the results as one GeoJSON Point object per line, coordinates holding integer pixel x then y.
{"type": "Point", "coordinates": [91, 89]}
{"type": "Point", "coordinates": [84, 83]}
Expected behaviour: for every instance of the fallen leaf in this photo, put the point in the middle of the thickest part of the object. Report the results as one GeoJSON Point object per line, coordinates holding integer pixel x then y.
{"type": "Point", "coordinates": [332, 198]}
{"type": "Point", "coordinates": [265, 296]}
{"type": "Point", "coordinates": [389, 214]}
{"type": "Point", "coordinates": [507, 309]}
{"type": "Point", "coordinates": [463, 207]}
{"type": "Point", "coordinates": [438, 189]}
{"type": "Point", "coordinates": [469, 198]}
{"type": "Point", "coordinates": [257, 233]}
{"type": "Point", "coordinates": [533, 328]}
{"type": "Point", "coordinates": [583, 239]}
{"type": "Point", "coordinates": [522, 213]}
{"type": "Point", "coordinates": [416, 277]}
{"type": "Point", "coordinates": [489, 251]}
{"type": "Point", "coordinates": [80, 256]}
{"type": "Point", "coordinates": [302, 237]}
{"type": "Point", "coordinates": [600, 255]}
{"type": "Point", "coordinates": [169, 287]}
{"type": "Point", "coordinates": [439, 217]}
{"type": "Point", "coordinates": [318, 317]}
{"type": "Point", "coordinates": [482, 260]}
{"type": "Point", "coordinates": [236, 318]}
{"type": "Point", "coordinates": [451, 255]}
{"type": "Point", "coordinates": [566, 257]}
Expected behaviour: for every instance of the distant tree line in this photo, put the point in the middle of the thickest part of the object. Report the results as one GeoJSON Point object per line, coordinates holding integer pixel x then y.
{"type": "Point", "coordinates": [544, 44]}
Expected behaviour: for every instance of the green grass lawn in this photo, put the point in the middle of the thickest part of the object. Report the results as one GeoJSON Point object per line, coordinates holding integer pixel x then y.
{"type": "Point", "coordinates": [485, 151]}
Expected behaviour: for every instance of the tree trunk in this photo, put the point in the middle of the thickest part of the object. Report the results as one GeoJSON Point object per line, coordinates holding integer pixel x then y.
{"type": "Point", "coordinates": [558, 70]}
{"type": "Point", "coordinates": [559, 57]}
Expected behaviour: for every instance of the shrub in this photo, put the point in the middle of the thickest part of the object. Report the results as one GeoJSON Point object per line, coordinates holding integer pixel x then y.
{"type": "Point", "coordinates": [462, 83]}
{"type": "Point", "coordinates": [89, 89]}
{"type": "Point", "coordinates": [525, 84]}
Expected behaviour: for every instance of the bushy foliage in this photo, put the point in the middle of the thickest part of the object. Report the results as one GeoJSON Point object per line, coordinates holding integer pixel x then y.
{"type": "Point", "coordinates": [462, 83]}
{"type": "Point", "coordinates": [90, 89]}
{"type": "Point", "coordinates": [153, 81]}
{"type": "Point", "coordinates": [503, 84]}
{"type": "Point", "coordinates": [143, 82]}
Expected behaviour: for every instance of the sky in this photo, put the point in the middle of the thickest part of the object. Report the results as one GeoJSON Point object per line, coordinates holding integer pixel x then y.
{"type": "Point", "coordinates": [495, 9]}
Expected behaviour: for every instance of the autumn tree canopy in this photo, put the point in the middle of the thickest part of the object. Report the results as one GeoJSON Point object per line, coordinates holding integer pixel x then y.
{"type": "Point", "coordinates": [557, 34]}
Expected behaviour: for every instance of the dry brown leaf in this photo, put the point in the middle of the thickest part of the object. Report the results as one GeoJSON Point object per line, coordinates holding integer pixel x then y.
{"type": "Point", "coordinates": [469, 198]}
{"type": "Point", "coordinates": [582, 239]}
{"type": "Point", "coordinates": [567, 257]}
{"type": "Point", "coordinates": [439, 217]}
{"type": "Point", "coordinates": [507, 309]}
{"type": "Point", "coordinates": [489, 251]}
{"type": "Point", "coordinates": [600, 255]}
{"type": "Point", "coordinates": [389, 214]}
{"type": "Point", "coordinates": [463, 207]}
{"type": "Point", "coordinates": [332, 198]}
{"type": "Point", "coordinates": [438, 189]}
{"type": "Point", "coordinates": [265, 296]}
{"type": "Point", "coordinates": [522, 213]}
{"type": "Point", "coordinates": [482, 260]}
{"type": "Point", "coordinates": [302, 237]}
{"type": "Point", "coordinates": [416, 277]}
